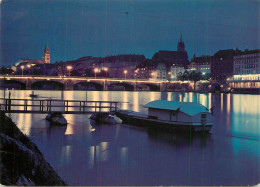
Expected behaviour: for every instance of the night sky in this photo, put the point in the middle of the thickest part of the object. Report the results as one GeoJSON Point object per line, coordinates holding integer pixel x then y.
{"type": "Point", "coordinates": [99, 28]}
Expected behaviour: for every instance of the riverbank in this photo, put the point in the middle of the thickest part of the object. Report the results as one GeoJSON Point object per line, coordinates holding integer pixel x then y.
{"type": "Point", "coordinates": [21, 161]}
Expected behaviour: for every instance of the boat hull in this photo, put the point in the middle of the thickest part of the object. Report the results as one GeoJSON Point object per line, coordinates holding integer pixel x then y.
{"type": "Point", "coordinates": [163, 125]}
{"type": "Point", "coordinates": [56, 119]}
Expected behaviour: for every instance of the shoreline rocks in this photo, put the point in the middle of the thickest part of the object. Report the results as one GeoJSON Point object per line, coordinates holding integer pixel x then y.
{"type": "Point", "coordinates": [21, 162]}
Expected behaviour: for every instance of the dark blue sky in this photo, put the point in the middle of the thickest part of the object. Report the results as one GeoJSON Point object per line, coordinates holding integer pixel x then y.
{"type": "Point", "coordinates": [95, 28]}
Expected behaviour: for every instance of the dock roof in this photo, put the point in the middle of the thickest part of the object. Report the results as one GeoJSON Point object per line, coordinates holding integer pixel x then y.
{"type": "Point", "coordinates": [188, 108]}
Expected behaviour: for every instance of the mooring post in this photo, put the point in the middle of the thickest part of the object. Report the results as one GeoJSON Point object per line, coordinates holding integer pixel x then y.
{"type": "Point", "coordinates": [80, 106]}
{"type": "Point", "coordinates": [9, 101]}
{"type": "Point", "coordinates": [84, 106]}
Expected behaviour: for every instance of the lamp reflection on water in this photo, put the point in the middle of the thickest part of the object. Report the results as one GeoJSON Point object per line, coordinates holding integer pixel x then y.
{"type": "Point", "coordinates": [24, 122]}
{"type": "Point", "coordinates": [152, 96]}
{"type": "Point", "coordinates": [136, 101]}
{"type": "Point", "coordinates": [124, 157]}
{"type": "Point", "coordinates": [66, 154]}
{"type": "Point", "coordinates": [190, 97]}
{"type": "Point", "coordinates": [180, 97]}
{"type": "Point", "coordinates": [125, 100]}
{"type": "Point", "coordinates": [69, 129]}
{"type": "Point", "coordinates": [228, 111]}
{"type": "Point", "coordinates": [221, 102]}
{"type": "Point", "coordinates": [104, 151]}
{"type": "Point", "coordinates": [209, 100]}
{"type": "Point", "coordinates": [203, 99]}
{"type": "Point", "coordinates": [91, 157]}
{"type": "Point", "coordinates": [169, 96]}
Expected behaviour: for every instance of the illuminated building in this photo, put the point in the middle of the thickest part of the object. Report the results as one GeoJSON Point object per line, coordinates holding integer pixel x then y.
{"type": "Point", "coordinates": [175, 70]}
{"type": "Point", "coordinates": [201, 64]}
{"type": "Point", "coordinates": [46, 55]}
{"type": "Point", "coordinates": [247, 65]}
{"type": "Point", "coordinates": [161, 72]}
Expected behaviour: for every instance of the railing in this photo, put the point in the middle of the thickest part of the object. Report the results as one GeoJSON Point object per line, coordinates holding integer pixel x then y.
{"type": "Point", "coordinates": [76, 78]}
{"type": "Point", "coordinates": [64, 106]}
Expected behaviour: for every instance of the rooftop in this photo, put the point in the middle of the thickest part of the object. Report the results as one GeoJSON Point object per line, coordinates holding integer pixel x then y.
{"type": "Point", "coordinates": [188, 108]}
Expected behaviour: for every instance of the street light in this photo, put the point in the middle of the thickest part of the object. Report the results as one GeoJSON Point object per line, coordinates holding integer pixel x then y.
{"type": "Point", "coordinates": [32, 68]}
{"type": "Point", "coordinates": [96, 70]}
{"type": "Point", "coordinates": [29, 66]}
{"type": "Point", "coordinates": [22, 69]}
{"type": "Point", "coordinates": [106, 69]}
{"type": "Point", "coordinates": [153, 75]}
{"type": "Point", "coordinates": [69, 68]}
{"type": "Point", "coordinates": [125, 72]}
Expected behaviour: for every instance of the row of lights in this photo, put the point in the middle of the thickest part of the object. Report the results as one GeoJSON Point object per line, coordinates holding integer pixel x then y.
{"type": "Point", "coordinates": [96, 70]}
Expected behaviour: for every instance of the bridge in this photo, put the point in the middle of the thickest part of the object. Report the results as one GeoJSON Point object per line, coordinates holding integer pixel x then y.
{"type": "Point", "coordinates": [81, 83]}
{"type": "Point", "coordinates": [29, 82]}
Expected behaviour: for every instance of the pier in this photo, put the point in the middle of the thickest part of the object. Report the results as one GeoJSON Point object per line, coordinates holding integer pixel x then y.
{"type": "Point", "coordinates": [43, 106]}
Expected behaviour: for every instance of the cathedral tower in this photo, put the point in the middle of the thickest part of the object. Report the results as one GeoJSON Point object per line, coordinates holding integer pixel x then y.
{"type": "Point", "coordinates": [181, 46]}
{"type": "Point", "coordinates": [46, 55]}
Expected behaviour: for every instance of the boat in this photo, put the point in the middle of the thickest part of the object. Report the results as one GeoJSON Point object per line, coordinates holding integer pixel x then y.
{"type": "Point", "coordinates": [33, 95]}
{"type": "Point", "coordinates": [103, 118]}
{"type": "Point", "coordinates": [56, 118]}
{"type": "Point", "coordinates": [171, 116]}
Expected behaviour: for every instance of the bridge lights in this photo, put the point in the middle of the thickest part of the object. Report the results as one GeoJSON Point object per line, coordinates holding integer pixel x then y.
{"type": "Point", "coordinates": [125, 72]}
{"type": "Point", "coordinates": [69, 68]}
{"type": "Point", "coordinates": [96, 70]}
{"type": "Point", "coordinates": [22, 69]}
{"type": "Point", "coordinates": [29, 66]}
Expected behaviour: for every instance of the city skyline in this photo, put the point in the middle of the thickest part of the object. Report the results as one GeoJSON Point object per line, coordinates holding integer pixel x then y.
{"type": "Point", "coordinates": [103, 28]}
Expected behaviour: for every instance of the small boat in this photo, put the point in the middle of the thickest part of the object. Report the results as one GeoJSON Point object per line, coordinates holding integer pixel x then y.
{"type": "Point", "coordinates": [56, 118]}
{"type": "Point", "coordinates": [171, 116]}
{"type": "Point", "coordinates": [103, 118]}
{"type": "Point", "coordinates": [33, 95]}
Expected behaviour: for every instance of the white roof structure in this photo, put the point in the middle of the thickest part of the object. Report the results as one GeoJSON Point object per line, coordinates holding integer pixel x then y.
{"type": "Point", "coordinates": [188, 108]}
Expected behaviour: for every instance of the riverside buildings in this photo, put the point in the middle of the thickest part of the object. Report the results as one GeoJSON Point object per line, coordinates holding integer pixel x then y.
{"type": "Point", "coordinates": [247, 65]}
{"type": "Point", "coordinates": [201, 64]}
{"type": "Point", "coordinates": [222, 64]}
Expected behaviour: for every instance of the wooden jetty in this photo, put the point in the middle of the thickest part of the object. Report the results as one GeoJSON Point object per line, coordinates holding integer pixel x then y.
{"type": "Point", "coordinates": [43, 106]}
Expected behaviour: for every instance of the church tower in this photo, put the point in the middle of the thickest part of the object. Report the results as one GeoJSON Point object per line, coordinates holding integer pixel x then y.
{"type": "Point", "coordinates": [46, 55]}
{"type": "Point", "coordinates": [181, 46]}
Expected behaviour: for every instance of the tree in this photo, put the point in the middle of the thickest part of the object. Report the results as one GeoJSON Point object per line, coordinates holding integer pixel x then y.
{"type": "Point", "coordinates": [193, 76]}
{"type": "Point", "coordinates": [190, 76]}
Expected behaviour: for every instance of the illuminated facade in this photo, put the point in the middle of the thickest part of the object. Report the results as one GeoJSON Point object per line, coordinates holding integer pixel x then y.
{"type": "Point", "coordinates": [46, 55]}
{"type": "Point", "coordinates": [247, 65]}
{"type": "Point", "coordinates": [175, 71]}
{"type": "Point", "coordinates": [161, 72]}
{"type": "Point", "coordinates": [200, 64]}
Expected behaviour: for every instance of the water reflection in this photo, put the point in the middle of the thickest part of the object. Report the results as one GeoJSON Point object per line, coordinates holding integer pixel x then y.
{"type": "Point", "coordinates": [84, 153]}
{"type": "Point", "coordinates": [136, 101]}
{"type": "Point", "coordinates": [125, 100]}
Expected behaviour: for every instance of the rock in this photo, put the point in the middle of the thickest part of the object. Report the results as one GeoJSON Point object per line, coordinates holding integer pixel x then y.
{"type": "Point", "coordinates": [21, 161]}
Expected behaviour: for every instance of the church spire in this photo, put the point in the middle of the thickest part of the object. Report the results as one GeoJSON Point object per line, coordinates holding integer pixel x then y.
{"type": "Point", "coordinates": [46, 55]}
{"type": "Point", "coordinates": [181, 46]}
{"type": "Point", "coordinates": [46, 50]}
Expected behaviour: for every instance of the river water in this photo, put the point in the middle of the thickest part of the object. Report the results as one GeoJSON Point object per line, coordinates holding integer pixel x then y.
{"type": "Point", "coordinates": [83, 154]}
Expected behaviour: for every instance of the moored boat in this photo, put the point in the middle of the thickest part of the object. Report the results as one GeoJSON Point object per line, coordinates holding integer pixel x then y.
{"type": "Point", "coordinates": [171, 116]}
{"type": "Point", "coordinates": [33, 95]}
{"type": "Point", "coordinates": [103, 118]}
{"type": "Point", "coordinates": [56, 118]}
